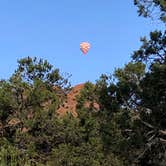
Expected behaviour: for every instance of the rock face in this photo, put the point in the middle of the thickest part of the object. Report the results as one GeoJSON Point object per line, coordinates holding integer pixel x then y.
{"type": "Point", "coordinates": [69, 106]}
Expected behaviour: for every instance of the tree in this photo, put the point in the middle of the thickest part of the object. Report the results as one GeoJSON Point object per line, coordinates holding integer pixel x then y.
{"type": "Point", "coordinates": [30, 69]}
{"type": "Point", "coordinates": [135, 103]}
{"type": "Point", "coordinates": [153, 50]}
{"type": "Point", "coordinates": [28, 103]}
{"type": "Point", "coordinates": [120, 98]}
{"type": "Point", "coordinates": [153, 98]}
{"type": "Point", "coordinates": [144, 94]}
{"type": "Point", "coordinates": [152, 8]}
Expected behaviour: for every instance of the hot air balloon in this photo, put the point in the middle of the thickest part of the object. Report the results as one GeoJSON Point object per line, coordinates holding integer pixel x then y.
{"type": "Point", "coordinates": [84, 47]}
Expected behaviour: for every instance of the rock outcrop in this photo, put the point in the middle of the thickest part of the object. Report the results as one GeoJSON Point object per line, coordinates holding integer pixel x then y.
{"type": "Point", "coordinates": [69, 106]}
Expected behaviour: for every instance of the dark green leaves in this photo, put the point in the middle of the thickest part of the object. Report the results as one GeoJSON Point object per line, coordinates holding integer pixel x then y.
{"type": "Point", "coordinates": [152, 8]}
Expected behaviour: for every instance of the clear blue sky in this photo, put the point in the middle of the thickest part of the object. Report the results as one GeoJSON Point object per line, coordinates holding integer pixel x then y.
{"type": "Point", "coordinates": [53, 30]}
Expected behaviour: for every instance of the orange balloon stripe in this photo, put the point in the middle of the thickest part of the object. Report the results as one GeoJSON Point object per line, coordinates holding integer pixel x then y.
{"type": "Point", "coordinates": [84, 46]}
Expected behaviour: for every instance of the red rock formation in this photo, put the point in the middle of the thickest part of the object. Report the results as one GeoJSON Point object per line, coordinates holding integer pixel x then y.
{"type": "Point", "coordinates": [69, 106]}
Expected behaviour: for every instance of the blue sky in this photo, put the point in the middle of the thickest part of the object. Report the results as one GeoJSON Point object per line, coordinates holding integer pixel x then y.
{"type": "Point", "coordinates": [53, 30]}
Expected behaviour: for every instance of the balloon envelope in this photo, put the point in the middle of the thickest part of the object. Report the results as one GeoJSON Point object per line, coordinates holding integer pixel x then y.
{"type": "Point", "coordinates": [84, 47]}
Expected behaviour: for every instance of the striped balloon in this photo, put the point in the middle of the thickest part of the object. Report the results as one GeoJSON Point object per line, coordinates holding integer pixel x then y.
{"type": "Point", "coordinates": [84, 47]}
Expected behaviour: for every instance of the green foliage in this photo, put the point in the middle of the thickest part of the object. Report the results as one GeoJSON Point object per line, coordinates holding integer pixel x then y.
{"type": "Point", "coordinates": [31, 69]}
{"type": "Point", "coordinates": [136, 126]}
{"type": "Point", "coordinates": [128, 85]}
{"type": "Point", "coordinates": [12, 156]}
{"type": "Point", "coordinates": [86, 155]}
{"type": "Point", "coordinates": [152, 50]}
{"type": "Point", "coordinates": [83, 145]}
{"type": "Point", "coordinates": [7, 102]}
{"type": "Point", "coordinates": [35, 135]}
{"type": "Point", "coordinates": [152, 8]}
{"type": "Point", "coordinates": [106, 92]}
{"type": "Point", "coordinates": [87, 94]}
